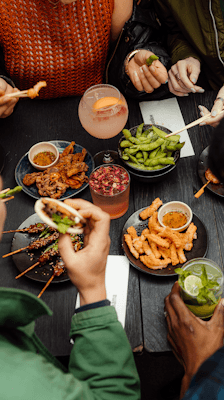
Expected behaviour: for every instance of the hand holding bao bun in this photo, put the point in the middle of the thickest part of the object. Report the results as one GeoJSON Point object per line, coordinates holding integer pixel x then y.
{"type": "Point", "coordinates": [59, 215]}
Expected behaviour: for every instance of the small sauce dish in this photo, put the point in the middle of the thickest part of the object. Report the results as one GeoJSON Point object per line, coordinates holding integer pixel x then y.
{"type": "Point", "coordinates": [176, 215]}
{"type": "Point", "coordinates": [43, 151]}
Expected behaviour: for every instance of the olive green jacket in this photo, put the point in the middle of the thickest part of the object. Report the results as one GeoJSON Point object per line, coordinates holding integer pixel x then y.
{"type": "Point", "coordinates": [101, 362]}
{"type": "Point", "coordinates": [196, 28]}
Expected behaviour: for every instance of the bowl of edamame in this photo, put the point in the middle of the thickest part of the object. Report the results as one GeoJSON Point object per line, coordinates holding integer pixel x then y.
{"type": "Point", "coordinates": [146, 151]}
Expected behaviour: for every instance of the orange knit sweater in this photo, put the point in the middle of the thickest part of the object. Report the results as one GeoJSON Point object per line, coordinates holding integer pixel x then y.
{"type": "Point", "coordinates": [65, 45]}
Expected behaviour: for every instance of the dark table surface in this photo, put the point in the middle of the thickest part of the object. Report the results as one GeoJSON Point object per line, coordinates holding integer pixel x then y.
{"type": "Point", "coordinates": [34, 121]}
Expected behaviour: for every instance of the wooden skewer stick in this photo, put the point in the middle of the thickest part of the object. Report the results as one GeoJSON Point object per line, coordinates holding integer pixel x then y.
{"type": "Point", "coordinates": [27, 270]}
{"type": "Point", "coordinates": [196, 122]}
{"type": "Point", "coordinates": [201, 191]}
{"type": "Point", "coordinates": [20, 93]}
{"type": "Point", "coordinates": [45, 287]}
{"type": "Point", "coordinates": [7, 199]}
{"type": "Point", "coordinates": [14, 252]}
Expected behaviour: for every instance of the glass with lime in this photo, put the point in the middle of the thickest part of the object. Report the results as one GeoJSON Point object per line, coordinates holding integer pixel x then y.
{"type": "Point", "coordinates": [201, 282]}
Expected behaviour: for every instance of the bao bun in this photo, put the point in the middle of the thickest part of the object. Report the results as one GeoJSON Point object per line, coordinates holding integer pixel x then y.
{"type": "Point", "coordinates": [61, 208]}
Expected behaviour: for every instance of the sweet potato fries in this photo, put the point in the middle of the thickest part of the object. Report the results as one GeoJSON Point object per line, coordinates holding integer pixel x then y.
{"type": "Point", "coordinates": [157, 247]}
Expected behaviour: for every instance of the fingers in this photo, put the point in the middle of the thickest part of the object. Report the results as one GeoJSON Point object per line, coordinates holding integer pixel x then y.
{"type": "Point", "coordinates": [214, 119]}
{"type": "Point", "coordinates": [218, 316]}
{"type": "Point", "coordinates": [66, 249]}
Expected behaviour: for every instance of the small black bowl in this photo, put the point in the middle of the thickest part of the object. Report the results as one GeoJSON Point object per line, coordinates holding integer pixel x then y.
{"type": "Point", "coordinates": [139, 171]}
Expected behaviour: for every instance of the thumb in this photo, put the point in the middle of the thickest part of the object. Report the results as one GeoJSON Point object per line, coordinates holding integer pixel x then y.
{"type": "Point", "coordinates": [194, 71]}
{"type": "Point", "coordinates": [218, 316]}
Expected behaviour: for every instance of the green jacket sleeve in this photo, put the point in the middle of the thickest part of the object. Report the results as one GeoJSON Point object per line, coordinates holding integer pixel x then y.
{"type": "Point", "coordinates": [102, 357]}
{"type": "Point", "coordinates": [178, 46]}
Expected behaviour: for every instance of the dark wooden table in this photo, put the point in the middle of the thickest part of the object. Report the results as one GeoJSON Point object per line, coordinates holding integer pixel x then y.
{"type": "Point", "coordinates": [34, 121]}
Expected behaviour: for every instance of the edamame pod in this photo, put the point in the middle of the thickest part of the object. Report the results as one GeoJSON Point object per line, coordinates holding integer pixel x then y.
{"type": "Point", "coordinates": [150, 146]}
{"type": "Point", "coordinates": [139, 130]}
{"type": "Point", "coordinates": [155, 161]}
{"type": "Point", "coordinates": [125, 143]}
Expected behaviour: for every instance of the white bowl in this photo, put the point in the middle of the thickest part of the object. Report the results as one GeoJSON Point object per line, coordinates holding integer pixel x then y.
{"type": "Point", "coordinates": [40, 147]}
{"type": "Point", "coordinates": [175, 206]}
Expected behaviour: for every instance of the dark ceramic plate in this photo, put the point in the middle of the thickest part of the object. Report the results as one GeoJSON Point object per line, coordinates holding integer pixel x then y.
{"type": "Point", "coordinates": [142, 172]}
{"type": "Point", "coordinates": [24, 167]}
{"type": "Point", "coordinates": [23, 260]}
{"type": "Point", "coordinates": [199, 249]}
{"type": "Point", "coordinates": [2, 158]}
{"type": "Point", "coordinates": [202, 166]}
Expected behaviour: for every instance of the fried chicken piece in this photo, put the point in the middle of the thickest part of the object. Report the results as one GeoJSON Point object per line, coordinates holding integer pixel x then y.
{"type": "Point", "coordinates": [128, 240]}
{"type": "Point", "coordinates": [30, 179]}
{"type": "Point", "coordinates": [151, 209]}
{"type": "Point", "coordinates": [132, 232]}
{"type": "Point", "coordinates": [173, 255]}
{"type": "Point", "coordinates": [69, 149]}
{"type": "Point", "coordinates": [76, 168]}
{"type": "Point", "coordinates": [154, 263]}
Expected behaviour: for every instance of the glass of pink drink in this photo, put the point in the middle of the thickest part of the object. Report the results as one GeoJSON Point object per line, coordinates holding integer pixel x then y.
{"type": "Point", "coordinates": [110, 187]}
{"type": "Point", "coordinates": [103, 113]}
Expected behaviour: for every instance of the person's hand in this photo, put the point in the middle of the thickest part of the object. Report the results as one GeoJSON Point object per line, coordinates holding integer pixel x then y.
{"type": "Point", "coordinates": [6, 104]}
{"type": "Point", "coordinates": [144, 77]}
{"type": "Point", "coordinates": [192, 339]}
{"type": "Point", "coordinates": [215, 111]}
{"type": "Point", "coordinates": [86, 268]}
{"type": "Point", "coordinates": [182, 77]}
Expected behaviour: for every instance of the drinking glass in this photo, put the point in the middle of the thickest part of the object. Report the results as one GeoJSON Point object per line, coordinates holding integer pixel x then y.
{"type": "Point", "coordinates": [202, 305]}
{"type": "Point", "coordinates": [103, 113]}
{"type": "Point", "coordinates": [109, 187]}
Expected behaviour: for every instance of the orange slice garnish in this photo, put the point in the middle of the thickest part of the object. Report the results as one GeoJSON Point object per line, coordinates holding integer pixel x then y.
{"type": "Point", "coordinates": [106, 102]}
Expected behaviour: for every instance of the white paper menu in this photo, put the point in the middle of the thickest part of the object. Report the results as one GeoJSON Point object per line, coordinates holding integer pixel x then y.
{"type": "Point", "coordinates": [117, 274]}
{"type": "Point", "coordinates": [167, 113]}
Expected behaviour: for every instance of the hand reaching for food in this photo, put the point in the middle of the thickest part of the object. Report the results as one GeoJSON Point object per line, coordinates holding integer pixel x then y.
{"type": "Point", "coordinates": [192, 339]}
{"type": "Point", "coordinates": [146, 77]}
{"type": "Point", "coordinates": [7, 104]}
{"type": "Point", "coordinates": [183, 77]}
{"type": "Point", "coordinates": [86, 268]}
{"type": "Point", "coordinates": [216, 111]}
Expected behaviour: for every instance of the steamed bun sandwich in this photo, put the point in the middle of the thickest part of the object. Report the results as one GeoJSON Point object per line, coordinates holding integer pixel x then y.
{"type": "Point", "coordinates": [59, 216]}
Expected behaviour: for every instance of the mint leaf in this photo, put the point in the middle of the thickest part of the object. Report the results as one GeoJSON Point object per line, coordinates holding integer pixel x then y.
{"type": "Point", "coordinates": [203, 276]}
{"type": "Point", "coordinates": [179, 271]}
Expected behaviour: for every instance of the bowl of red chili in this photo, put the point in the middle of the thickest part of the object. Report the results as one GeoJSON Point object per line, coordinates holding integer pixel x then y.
{"type": "Point", "coordinates": [43, 155]}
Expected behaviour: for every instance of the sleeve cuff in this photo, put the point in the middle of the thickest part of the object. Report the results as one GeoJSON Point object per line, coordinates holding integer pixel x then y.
{"type": "Point", "coordinates": [91, 306]}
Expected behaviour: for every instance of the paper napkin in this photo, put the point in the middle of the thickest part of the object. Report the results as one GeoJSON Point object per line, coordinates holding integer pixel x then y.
{"type": "Point", "coordinates": [167, 113]}
{"type": "Point", "coordinates": [117, 274]}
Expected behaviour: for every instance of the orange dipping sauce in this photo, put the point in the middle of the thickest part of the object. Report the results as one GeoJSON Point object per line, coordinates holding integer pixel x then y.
{"type": "Point", "coordinates": [44, 158]}
{"type": "Point", "coordinates": [174, 219]}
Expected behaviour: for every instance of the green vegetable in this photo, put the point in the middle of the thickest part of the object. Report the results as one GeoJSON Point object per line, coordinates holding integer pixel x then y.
{"type": "Point", "coordinates": [151, 144]}
{"type": "Point", "coordinates": [150, 60]}
{"type": "Point", "coordinates": [11, 192]}
{"type": "Point", "coordinates": [62, 223]}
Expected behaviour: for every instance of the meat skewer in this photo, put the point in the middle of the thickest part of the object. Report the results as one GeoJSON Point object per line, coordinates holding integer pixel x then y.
{"type": "Point", "coordinates": [39, 227]}
{"type": "Point", "coordinates": [50, 252]}
{"type": "Point", "coordinates": [36, 244]}
{"type": "Point", "coordinates": [59, 268]}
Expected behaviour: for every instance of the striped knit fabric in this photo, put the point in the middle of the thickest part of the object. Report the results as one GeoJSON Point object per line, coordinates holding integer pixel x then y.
{"type": "Point", "coordinates": [64, 45]}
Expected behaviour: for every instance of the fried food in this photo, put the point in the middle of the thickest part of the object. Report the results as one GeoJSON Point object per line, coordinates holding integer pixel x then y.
{"type": "Point", "coordinates": [211, 177]}
{"type": "Point", "coordinates": [69, 172]}
{"type": "Point", "coordinates": [157, 247]}
{"type": "Point", "coordinates": [151, 209]}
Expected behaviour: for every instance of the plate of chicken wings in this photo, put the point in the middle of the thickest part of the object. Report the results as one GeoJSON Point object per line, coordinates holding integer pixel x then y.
{"type": "Point", "coordinates": [66, 179]}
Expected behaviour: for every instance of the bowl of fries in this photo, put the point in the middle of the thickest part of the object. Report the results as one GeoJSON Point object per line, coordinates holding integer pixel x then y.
{"type": "Point", "coordinates": [145, 150]}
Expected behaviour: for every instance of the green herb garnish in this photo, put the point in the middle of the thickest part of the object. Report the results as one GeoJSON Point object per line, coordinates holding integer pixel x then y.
{"type": "Point", "coordinates": [62, 223]}
{"type": "Point", "coordinates": [205, 294]}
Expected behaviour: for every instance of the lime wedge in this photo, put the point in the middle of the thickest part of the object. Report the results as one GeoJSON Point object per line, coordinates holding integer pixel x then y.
{"type": "Point", "coordinates": [192, 284]}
